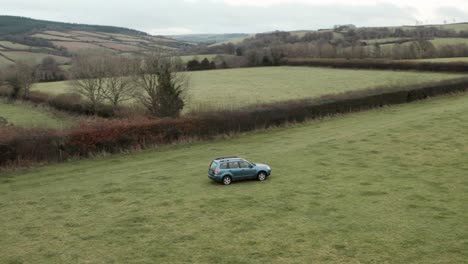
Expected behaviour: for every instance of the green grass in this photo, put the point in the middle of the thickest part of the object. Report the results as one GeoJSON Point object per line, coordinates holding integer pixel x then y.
{"type": "Point", "coordinates": [25, 115]}
{"type": "Point", "coordinates": [33, 57]}
{"type": "Point", "coordinates": [4, 62]}
{"type": "Point", "coordinates": [52, 37]}
{"type": "Point", "coordinates": [15, 46]}
{"type": "Point", "coordinates": [457, 27]}
{"type": "Point", "coordinates": [200, 57]}
{"type": "Point", "coordinates": [239, 87]}
{"type": "Point", "coordinates": [384, 186]}
{"type": "Point", "coordinates": [237, 40]}
{"type": "Point", "coordinates": [438, 42]}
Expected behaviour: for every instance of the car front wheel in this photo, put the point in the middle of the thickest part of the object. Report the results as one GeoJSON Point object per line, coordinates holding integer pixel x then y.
{"type": "Point", "coordinates": [227, 180]}
{"type": "Point", "coordinates": [261, 176]}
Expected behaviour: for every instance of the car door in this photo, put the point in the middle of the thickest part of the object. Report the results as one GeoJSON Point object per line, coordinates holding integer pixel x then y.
{"type": "Point", "coordinates": [235, 170]}
{"type": "Point", "coordinates": [248, 171]}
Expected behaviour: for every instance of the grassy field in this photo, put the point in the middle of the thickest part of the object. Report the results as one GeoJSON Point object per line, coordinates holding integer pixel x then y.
{"type": "Point", "coordinates": [237, 40]}
{"type": "Point", "coordinates": [28, 116]}
{"type": "Point", "coordinates": [239, 87]}
{"type": "Point", "coordinates": [32, 57]}
{"type": "Point", "coordinates": [4, 62]}
{"type": "Point", "coordinates": [438, 42]}
{"type": "Point", "coordinates": [200, 57]}
{"type": "Point", "coordinates": [77, 46]}
{"type": "Point", "coordinates": [53, 37]}
{"type": "Point", "coordinates": [384, 186]}
{"type": "Point", "coordinates": [457, 27]}
{"type": "Point", "coordinates": [16, 46]}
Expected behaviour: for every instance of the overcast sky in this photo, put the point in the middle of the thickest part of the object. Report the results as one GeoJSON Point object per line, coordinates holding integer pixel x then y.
{"type": "Point", "coordinates": [238, 16]}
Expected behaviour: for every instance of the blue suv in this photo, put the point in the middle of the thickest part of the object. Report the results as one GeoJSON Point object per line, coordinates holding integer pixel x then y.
{"type": "Point", "coordinates": [228, 169]}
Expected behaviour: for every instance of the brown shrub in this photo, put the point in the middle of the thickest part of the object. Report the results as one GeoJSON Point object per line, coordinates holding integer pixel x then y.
{"type": "Point", "coordinates": [35, 145]}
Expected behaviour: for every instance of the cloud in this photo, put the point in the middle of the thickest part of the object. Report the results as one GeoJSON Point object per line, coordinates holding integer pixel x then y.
{"type": "Point", "coordinates": [237, 16]}
{"type": "Point", "coordinates": [266, 3]}
{"type": "Point", "coordinates": [452, 13]}
{"type": "Point", "coordinates": [170, 31]}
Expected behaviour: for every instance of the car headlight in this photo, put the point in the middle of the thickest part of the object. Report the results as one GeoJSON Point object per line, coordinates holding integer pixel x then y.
{"type": "Point", "coordinates": [268, 167]}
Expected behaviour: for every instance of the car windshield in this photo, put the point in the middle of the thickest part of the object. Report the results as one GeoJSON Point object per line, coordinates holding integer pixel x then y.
{"type": "Point", "coordinates": [251, 162]}
{"type": "Point", "coordinates": [213, 165]}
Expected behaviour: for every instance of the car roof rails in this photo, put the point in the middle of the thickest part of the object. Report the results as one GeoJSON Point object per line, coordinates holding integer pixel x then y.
{"type": "Point", "coordinates": [223, 158]}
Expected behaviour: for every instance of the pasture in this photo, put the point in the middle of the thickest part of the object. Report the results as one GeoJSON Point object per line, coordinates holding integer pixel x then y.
{"type": "Point", "coordinates": [15, 46]}
{"type": "Point", "coordinates": [200, 57]}
{"type": "Point", "coordinates": [32, 57]}
{"type": "Point", "coordinates": [4, 62]}
{"type": "Point", "coordinates": [234, 88]}
{"type": "Point", "coordinates": [25, 115]}
{"type": "Point", "coordinates": [439, 42]}
{"type": "Point", "coordinates": [383, 186]}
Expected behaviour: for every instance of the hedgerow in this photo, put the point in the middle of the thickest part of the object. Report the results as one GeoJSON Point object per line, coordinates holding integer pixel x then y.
{"type": "Point", "coordinates": [24, 146]}
{"type": "Point", "coordinates": [379, 64]}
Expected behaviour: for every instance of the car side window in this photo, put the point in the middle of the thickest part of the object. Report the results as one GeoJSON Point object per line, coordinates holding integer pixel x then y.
{"type": "Point", "coordinates": [234, 165]}
{"type": "Point", "coordinates": [223, 166]}
{"type": "Point", "coordinates": [244, 164]}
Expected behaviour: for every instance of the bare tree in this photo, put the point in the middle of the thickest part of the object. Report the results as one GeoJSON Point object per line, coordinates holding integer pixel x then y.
{"type": "Point", "coordinates": [119, 86]}
{"type": "Point", "coordinates": [20, 77]}
{"type": "Point", "coordinates": [162, 84]}
{"type": "Point", "coordinates": [89, 78]}
{"type": "Point", "coordinates": [49, 70]}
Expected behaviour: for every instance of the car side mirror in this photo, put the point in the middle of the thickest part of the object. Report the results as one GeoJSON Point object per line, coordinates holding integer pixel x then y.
{"type": "Point", "coordinates": [251, 166]}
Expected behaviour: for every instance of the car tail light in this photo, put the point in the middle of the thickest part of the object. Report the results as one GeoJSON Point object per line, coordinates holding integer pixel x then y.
{"type": "Point", "coordinates": [217, 172]}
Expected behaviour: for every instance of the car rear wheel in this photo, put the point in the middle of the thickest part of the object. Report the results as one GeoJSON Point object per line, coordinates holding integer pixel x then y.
{"type": "Point", "coordinates": [227, 180]}
{"type": "Point", "coordinates": [261, 176]}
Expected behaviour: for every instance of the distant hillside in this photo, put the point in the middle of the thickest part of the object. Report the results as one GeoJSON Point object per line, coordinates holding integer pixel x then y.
{"type": "Point", "coordinates": [456, 27]}
{"type": "Point", "coordinates": [209, 38]}
{"type": "Point", "coordinates": [20, 25]}
{"type": "Point", "coordinates": [346, 41]}
{"type": "Point", "coordinates": [28, 39]}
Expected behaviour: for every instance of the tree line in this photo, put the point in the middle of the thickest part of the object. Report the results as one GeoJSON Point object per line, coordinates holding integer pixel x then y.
{"type": "Point", "coordinates": [22, 75]}
{"type": "Point", "coordinates": [196, 65]}
{"type": "Point", "coordinates": [276, 53]}
{"type": "Point", "coordinates": [341, 42]}
{"type": "Point", "coordinates": [155, 81]}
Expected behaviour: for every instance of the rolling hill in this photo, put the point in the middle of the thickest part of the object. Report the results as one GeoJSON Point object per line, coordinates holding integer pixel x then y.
{"type": "Point", "coordinates": [31, 40]}
{"type": "Point", "coordinates": [338, 34]}
{"type": "Point", "coordinates": [210, 38]}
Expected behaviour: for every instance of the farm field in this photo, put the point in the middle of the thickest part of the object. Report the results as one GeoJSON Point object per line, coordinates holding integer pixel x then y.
{"type": "Point", "coordinates": [235, 88]}
{"type": "Point", "coordinates": [77, 46]}
{"type": "Point", "coordinates": [233, 41]}
{"type": "Point", "coordinates": [4, 62]}
{"type": "Point", "coordinates": [438, 42]}
{"type": "Point", "coordinates": [73, 38]}
{"type": "Point", "coordinates": [15, 46]}
{"type": "Point", "coordinates": [457, 26]}
{"type": "Point", "coordinates": [383, 186]}
{"type": "Point", "coordinates": [34, 57]}
{"type": "Point", "coordinates": [25, 115]}
{"type": "Point", "coordinates": [200, 57]}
